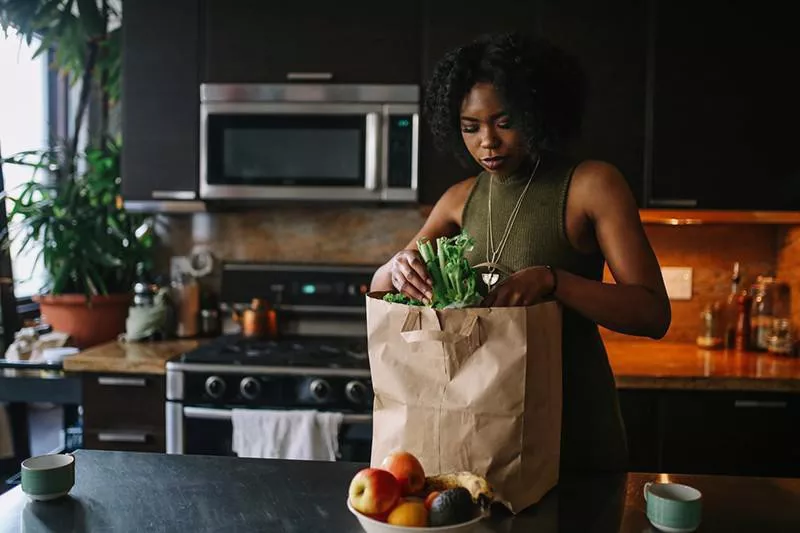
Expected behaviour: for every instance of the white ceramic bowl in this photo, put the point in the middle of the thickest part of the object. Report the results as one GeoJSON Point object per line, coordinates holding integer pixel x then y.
{"type": "Point", "coordinates": [371, 525]}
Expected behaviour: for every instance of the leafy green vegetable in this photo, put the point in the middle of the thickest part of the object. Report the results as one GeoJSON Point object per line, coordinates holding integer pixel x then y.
{"type": "Point", "coordinates": [454, 280]}
{"type": "Point", "coordinates": [399, 298]}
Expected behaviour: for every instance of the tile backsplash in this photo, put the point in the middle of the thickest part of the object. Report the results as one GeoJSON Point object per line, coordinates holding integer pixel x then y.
{"type": "Point", "coordinates": [371, 236]}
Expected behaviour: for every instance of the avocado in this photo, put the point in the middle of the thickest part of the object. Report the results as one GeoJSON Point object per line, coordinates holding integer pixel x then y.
{"type": "Point", "coordinates": [452, 506]}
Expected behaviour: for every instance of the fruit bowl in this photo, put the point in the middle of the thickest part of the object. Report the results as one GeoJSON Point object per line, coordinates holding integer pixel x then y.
{"type": "Point", "coordinates": [370, 525]}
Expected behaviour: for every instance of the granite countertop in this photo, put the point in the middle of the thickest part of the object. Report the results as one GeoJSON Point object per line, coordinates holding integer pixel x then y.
{"type": "Point", "coordinates": [664, 365]}
{"type": "Point", "coordinates": [124, 491]}
{"type": "Point", "coordinates": [129, 358]}
{"type": "Point", "coordinates": [636, 365]}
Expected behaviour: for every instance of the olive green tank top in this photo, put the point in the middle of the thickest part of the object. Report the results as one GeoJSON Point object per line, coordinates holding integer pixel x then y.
{"type": "Point", "coordinates": [592, 433]}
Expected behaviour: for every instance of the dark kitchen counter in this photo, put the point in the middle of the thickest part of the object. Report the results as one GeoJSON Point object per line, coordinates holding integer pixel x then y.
{"type": "Point", "coordinates": [123, 491]}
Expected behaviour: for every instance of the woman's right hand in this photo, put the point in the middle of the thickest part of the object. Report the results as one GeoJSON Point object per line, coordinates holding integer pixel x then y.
{"type": "Point", "coordinates": [410, 276]}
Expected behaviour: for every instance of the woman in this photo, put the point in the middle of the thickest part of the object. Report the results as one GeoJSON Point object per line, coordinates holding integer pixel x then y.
{"type": "Point", "coordinates": [544, 224]}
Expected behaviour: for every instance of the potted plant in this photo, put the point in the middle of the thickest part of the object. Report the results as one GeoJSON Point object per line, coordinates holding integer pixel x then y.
{"type": "Point", "coordinates": [89, 245]}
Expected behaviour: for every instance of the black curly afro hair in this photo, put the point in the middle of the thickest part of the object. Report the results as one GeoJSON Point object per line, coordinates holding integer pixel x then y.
{"type": "Point", "coordinates": [542, 88]}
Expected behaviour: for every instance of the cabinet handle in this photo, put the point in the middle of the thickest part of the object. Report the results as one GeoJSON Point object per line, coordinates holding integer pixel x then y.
{"type": "Point", "coordinates": [674, 202]}
{"type": "Point", "coordinates": [173, 195]}
{"type": "Point", "coordinates": [121, 382]}
{"type": "Point", "coordinates": [760, 404]}
{"type": "Point", "coordinates": [122, 436]}
{"type": "Point", "coordinates": [309, 76]}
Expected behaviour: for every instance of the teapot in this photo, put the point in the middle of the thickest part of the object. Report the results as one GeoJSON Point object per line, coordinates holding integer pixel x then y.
{"type": "Point", "coordinates": [258, 320]}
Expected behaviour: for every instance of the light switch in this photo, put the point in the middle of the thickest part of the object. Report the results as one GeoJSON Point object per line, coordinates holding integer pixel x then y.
{"type": "Point", "coordinates": [678, 281]}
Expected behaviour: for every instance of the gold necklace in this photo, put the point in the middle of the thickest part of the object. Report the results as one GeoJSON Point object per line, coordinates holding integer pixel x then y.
{"type": "Point", "coordinates": [491, 277]}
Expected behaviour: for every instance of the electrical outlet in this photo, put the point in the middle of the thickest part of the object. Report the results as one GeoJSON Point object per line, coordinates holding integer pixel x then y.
{"type": "Point", "coordinates": [678, 281]}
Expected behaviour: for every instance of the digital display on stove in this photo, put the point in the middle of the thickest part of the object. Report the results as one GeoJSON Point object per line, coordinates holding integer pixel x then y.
{"type": "Point", "coordinates": [316, 288]}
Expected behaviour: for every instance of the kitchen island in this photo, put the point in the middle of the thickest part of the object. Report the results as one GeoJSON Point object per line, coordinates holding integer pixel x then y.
{"type": "Point", "coordinates": [127, 492]}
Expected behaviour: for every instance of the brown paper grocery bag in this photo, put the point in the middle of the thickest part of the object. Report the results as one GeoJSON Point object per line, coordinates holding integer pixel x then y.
{"type": "Point", "coordinates": [470, 389]}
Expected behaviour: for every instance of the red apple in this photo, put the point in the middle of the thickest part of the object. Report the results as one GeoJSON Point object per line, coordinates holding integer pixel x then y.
{"type": "Point", "coordinates": [407, 469]}
{"type": "Point", "coordinates": [374, 491]}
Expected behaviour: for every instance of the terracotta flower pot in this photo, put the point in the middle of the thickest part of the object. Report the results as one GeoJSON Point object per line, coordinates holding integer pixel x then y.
{"type": "Point", "coordinates": [88, 325]}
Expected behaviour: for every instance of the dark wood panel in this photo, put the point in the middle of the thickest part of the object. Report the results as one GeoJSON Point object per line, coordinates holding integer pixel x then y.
{"type": "Point", "coordinates": [731, 433]}
{"type": "Point", "coordinates": [356, 41]}
{"type": "Point", "coordinates": [725, 107]}
{"type": "Point", "coordinates": [154, 442]}
{"type": "Point", "coordinates": [160, 101]}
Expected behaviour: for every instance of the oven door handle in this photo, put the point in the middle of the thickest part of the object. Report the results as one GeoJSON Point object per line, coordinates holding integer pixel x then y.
{"type": "Point", "coordinates": [207, 413]}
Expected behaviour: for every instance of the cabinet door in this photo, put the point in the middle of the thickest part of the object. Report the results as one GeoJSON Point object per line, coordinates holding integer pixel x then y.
{"type": "Point", "coordinates": [731, 433]}
{"type": "Point", "coordinates": [160, 102]}
{"type": "Point", "coordinates": [607, 39]}
{"type": "Point", "coordinates": [725, 106]}
{"type": "Point", "coordinates": [352, 41]}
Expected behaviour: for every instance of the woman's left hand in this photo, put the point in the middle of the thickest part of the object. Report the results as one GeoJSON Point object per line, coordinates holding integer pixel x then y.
{"type": "Point", "coordinates": [526, 287]}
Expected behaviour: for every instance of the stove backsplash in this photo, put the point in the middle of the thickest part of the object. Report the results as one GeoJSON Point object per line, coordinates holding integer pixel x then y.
{"type": "Point", "coordinates": [359, 236]}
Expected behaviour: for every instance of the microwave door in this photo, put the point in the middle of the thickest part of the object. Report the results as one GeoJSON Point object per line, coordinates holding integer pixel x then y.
{"type": "Point", "coordinates": [291, 151]}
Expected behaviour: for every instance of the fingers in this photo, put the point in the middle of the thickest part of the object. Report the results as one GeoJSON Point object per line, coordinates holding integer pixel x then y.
{"type": "Point", "coordinates": [416, 262]}
{"type": "Point", "coordinates": [410, 277]}
{"type": "Point", "coordinates": [406, 287]}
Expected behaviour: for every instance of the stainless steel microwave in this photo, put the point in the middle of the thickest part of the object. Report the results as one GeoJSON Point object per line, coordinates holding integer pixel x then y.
{"type": "Point", "coordinates": [351, 143]}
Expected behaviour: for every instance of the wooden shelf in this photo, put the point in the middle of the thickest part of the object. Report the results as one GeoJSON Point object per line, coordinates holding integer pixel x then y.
{"type": "Point", "coordinates": [689, 217]}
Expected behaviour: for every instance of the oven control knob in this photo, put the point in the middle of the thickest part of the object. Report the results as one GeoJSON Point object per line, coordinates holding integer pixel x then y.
{"type": "Point", "coordinates": [319, 389]}
{"type": "Point", "coordinates": [215, 387]}
{"type": "Point", "coordinates": [356, 392]}
{"type": "Point", "coordinates": [250, 388]}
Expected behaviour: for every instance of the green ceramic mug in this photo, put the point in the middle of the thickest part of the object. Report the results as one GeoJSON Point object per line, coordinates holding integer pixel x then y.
{"type": "Point", "coordinates": [672, 507]}
{"type": "Point", "coordinates": [47, 477]}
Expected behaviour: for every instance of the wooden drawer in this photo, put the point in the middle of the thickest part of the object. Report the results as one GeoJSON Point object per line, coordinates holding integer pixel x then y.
{"type": "Point", "coordinates": [123, 401]}
{"type": "Point", "coordinates": [128, 440]}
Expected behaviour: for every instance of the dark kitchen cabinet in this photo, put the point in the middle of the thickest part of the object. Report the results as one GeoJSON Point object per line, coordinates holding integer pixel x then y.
{"type": "Point", "coordinates": [160, 102]}
{"type": "Point", "coordinates": [352, 41]}
{"type": "Point", "coordinates": [608, 40]}
{"type": "Point", "coordinates": [712, 432]}
{"type": "Point", "coordinates": [124, 412]}
{"type": "Point", "coordinates": [731, 433]}
{"type": "Point", "coordinates": [724, 106]}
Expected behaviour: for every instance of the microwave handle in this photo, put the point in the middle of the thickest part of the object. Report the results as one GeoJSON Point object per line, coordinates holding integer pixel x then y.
{"type": "Point", "coordinates": [373, 130]}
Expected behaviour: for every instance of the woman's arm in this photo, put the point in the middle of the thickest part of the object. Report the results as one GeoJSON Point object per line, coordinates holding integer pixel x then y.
{"type": "Point", "coordinates": [637, 304]}
{"type": "Point", "coordinates": [406, 271]}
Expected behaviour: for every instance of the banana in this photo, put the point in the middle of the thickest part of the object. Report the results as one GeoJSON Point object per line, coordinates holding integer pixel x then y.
{"type": "Point", "coordinates": [480, 489]}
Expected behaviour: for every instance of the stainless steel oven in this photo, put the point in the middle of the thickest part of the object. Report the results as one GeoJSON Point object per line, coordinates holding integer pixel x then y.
{"type": "Point", "coordinates": [309, 142]}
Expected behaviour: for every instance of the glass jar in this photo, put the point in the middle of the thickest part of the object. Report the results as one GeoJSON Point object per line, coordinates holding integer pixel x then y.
{"type": "Point", "coordinates": [710, 335]}
{"type": "Point", "coordinates": [771, 300]}
{"type": "Point", "coordinates": [781, 341]}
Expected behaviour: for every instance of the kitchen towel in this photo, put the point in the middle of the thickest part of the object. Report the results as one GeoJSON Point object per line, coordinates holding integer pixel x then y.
{"type": "Point", "coordinates": [270, 434]}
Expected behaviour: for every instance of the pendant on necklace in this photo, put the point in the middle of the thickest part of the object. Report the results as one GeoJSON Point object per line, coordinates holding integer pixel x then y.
{"type": "Point", "coordinates": [490, 278]}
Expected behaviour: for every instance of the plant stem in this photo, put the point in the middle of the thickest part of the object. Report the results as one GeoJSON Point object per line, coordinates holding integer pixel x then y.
{"type": "Point", "coordinates": [86, 86]}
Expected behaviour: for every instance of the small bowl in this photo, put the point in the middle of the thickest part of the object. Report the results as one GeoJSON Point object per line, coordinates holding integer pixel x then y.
{"type": "Point", "coordinates": [370, 525]}
{"type": "Point", "coordinates": [47, 477]}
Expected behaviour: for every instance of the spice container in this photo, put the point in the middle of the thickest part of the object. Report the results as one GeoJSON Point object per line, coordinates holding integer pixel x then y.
{"type": "Point", "coordinates": [710, 336]}
{"type": "Point", "coordinates": [771, 300]}
{"type": "Point", "coordinates": [781, 341]}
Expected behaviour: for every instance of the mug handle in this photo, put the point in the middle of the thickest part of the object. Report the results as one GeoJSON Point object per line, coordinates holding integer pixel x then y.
{"type": "Point", "coordinates": [646, 488]}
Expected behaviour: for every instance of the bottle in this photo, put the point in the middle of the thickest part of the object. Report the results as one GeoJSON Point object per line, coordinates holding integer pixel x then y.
{"type": "Point", "coordinates": [742, 336]}
{"type": "Point", "coordinates": [186, 292]}
{"type": "Point", "coordinates": [731, 309]}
